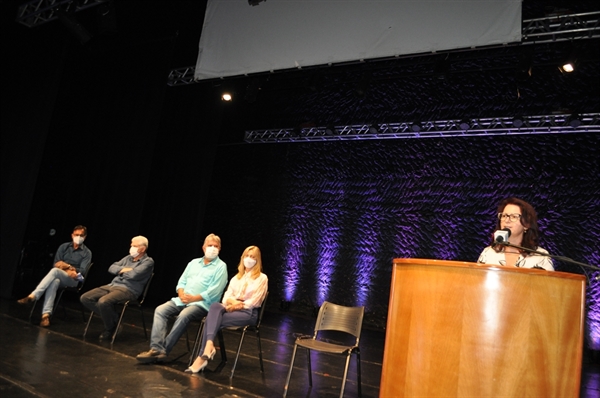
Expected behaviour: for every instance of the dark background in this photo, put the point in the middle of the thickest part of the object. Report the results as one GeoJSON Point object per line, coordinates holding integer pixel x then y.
{"type": "Point", "coordinates": [92, 134]}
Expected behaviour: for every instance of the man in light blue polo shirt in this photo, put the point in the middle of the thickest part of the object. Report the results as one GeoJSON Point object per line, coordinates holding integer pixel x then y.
{"type": "Point", "coordinates": [201, 284]}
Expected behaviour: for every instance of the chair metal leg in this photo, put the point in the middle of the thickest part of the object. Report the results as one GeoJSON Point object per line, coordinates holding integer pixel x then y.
{"type": "Point", "coordinates": [309, 367]}
{"type": "Point", "coordinates": [222, 346]}
{"type": "Point", "coordinates": [289, 375]}
{"type": "Point", "coordinates": [345, 374]}
{"type": "Point", "coordinates": [260, 357]}
{"type": "Point", "coordinates": [237, 355]}
{"type": "Point", "coordinates": [358, 373]}
{"type": "Point", "coordinates": [57, 302]}
{"type": "Point", "coordinates": [143, 322]}
{"type": "Point", "coordinates": [114, 336]}
{"type": "Point", "coordinates": [87, 325]}
{"type": "Point", "coordinates": [32, 308]}
{"type": "Point", "coordinates": [196, 347]}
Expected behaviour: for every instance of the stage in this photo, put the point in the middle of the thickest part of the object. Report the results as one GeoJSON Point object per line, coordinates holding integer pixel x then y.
{"type": "Point", "coordinates": [57, 361]}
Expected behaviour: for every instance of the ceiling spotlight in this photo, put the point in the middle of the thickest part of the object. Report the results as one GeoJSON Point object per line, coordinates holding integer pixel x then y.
{"type": "Point", "coordinates": [569, 65]}
{"type": "Point", "coordinates": [227, 97]}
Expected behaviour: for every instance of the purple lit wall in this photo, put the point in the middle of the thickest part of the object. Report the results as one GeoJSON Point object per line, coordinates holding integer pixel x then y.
{"type": "Point", "coordinates": [331, 217]}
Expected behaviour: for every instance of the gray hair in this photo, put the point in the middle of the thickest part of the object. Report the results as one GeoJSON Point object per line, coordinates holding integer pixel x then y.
{"type": "Point", "coordinates": [142, 240]}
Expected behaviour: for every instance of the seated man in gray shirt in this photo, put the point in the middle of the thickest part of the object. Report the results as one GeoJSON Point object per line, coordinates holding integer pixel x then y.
{"type": "Point", "coordinates": [132, 272]}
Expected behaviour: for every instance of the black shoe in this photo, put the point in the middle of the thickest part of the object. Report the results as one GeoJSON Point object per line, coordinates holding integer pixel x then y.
{"type": "Point", "coordinates": [151, 356]}
{"type": "Point", "coordinates": [107, 335]}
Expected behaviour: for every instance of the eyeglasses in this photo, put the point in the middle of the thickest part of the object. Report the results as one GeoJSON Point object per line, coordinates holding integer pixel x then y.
{"type": "Point", "coordinates": [511, 217]}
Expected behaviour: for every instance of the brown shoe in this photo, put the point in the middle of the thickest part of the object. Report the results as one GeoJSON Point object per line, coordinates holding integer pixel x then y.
{"type": "Point", "coordinates": [25, 300]}
{"type": "Point", "coordinates": [45, 322]}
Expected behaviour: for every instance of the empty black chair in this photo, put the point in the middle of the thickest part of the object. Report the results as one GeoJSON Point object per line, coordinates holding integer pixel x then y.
{"type": "Point", "coordinates": [337, 318]}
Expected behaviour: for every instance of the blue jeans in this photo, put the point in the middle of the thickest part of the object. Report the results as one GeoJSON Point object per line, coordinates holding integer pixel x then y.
{"type": "Point", "coordinates": [159, 340]}
{"type": "Point", "coordinates": [54, 279]}
{"type": "Point", "coordinates": [102, 300]}
{"type": "Point", "coordinates": [219, 318]}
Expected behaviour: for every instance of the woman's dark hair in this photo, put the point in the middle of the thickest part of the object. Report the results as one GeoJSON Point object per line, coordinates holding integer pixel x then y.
{"type": "Point", "coordinates": [528, 220]}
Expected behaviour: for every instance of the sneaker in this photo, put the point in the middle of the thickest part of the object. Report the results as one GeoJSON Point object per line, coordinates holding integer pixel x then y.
{"type": "Point", "coordinates": [45, 322]}
{"type": "Point", "coordinates": [151, 356]}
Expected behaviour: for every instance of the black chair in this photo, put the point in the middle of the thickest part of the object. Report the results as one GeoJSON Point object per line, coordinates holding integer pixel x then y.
{"type": "Point", "coordinates": [337, 318]}
{"type": "Point", "coordinates": [74, 289]}
{"type": "Point", "coordinates": [242, 329]}
{"type": "Point", "coordinates": [137, 302]}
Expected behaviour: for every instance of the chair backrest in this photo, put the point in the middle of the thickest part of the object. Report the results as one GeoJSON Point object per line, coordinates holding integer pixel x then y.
{"type": "Point", "coordinates": [340, 318]}
{"type": "Point", "coordinates": [85, 276]}
{"type": "Point", "coordinates": [261, 311]}
{"type": "Point", "coordinates": [87, 271]}
{"type": "Point", "coordinates": [143, 296]}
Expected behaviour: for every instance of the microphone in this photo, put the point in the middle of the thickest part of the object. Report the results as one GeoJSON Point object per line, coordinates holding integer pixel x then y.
{"type": "Point", "coordinates": [502, 235]}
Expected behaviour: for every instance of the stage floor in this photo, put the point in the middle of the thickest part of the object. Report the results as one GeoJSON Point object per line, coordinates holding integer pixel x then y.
{"type": "Point", "coordinates": [58, 362]}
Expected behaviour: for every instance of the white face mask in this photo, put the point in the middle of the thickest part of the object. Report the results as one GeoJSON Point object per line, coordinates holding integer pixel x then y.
{"type": "Point", "coordinates": [211, 252]}
{"type": "Point", "coordinates": [78, 240]}
{"type": "Point", "coordinates": [249, 262]}
{"type": "Point", "coordinates": [133, 252]}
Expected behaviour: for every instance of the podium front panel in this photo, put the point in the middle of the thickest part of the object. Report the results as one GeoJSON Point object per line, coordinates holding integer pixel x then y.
{"type": "Point", "coordinates": [457, 329]}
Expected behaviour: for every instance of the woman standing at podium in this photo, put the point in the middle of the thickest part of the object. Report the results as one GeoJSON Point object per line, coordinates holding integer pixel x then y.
{"type": "Point", "coordinates": [520, 218]}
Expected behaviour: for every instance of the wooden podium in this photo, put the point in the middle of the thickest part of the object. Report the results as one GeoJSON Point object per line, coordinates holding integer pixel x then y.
{"type": "Point", "coordinates": [458, 329]}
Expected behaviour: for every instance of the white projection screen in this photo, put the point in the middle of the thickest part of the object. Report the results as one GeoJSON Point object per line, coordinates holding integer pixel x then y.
{"type": "Point", "coordinates": [239, 39]}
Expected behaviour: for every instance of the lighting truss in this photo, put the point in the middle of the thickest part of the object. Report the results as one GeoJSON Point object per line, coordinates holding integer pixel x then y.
{"type": "Point", "coordinates": [37, 12]}
{"type": "Point", "coordinates": [562, 27]}
{"type": "Point", "coordinates": [181, 76]}
{"type": "Point", "coordinates": [534, 31]}
{"type": "Point", "coordinates": [544, 124]}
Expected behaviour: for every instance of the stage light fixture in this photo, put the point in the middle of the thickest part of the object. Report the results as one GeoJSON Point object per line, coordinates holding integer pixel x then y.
{"type": "Point", "coordinates": [330, 130]}
{"type": "Point", "coordinates": [517, 122]}
{"type": "Point", "coordinates": [574, 120]}
{"type": "Point", "coordinates": [570, 64]}
{"type": "Point", "coordinates": [465, 124]}
{"type": "Point", "coordinates": [227, 97]}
